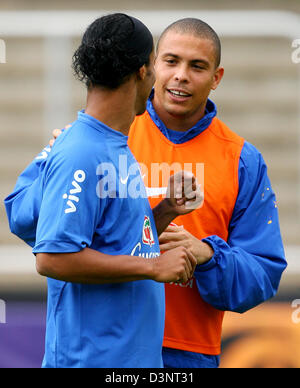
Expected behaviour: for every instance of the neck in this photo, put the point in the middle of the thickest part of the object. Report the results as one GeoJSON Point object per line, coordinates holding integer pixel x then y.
{"type": "Point", "coordinates": [114, 108]}
{"type": "Point", "coordinates": [177, 122]}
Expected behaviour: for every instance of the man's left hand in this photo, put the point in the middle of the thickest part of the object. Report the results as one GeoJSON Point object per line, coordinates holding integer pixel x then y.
{"type": "Point", "coordinates": [177, 236]}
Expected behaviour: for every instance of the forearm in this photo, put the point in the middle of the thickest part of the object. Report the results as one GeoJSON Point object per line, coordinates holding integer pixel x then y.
{"type": "Point", "coordinates": [163, 216]}
{"type": "Point", "coordinates": [92, 267]}
{"type": "Point", "coordinates": [237, 280]}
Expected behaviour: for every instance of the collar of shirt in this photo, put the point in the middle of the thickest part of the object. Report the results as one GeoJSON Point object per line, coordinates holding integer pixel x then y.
{"type": "Point", "coordinates": [99, 126]}
{"type": "Point", "coordinates": [177, 137]}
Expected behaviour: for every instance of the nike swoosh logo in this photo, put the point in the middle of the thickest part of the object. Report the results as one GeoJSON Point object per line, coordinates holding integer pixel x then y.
{"type": "Point", "coordinates": [155, 191]}
{"type": "Point", "coordinates": [124, 181]}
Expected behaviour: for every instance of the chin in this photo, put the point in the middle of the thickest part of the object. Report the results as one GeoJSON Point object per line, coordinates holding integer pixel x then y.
{"type": "Point", "coordinates": [177, 111]}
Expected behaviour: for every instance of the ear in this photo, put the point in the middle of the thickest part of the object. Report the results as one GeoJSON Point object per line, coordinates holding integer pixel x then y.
{"type": "Point", "coordinates": [217, 77]}
{"type": "Point", "coordinates": [141, 73]}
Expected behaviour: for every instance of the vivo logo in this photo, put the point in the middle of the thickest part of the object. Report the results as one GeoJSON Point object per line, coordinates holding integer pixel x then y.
{"type": "Point", "coordinates": [72, 197]}
{"type": "Point", "coordinates": [44, 154]}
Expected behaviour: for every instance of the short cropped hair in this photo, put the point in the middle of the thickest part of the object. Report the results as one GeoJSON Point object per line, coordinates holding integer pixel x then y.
{"type": "Point", "coordinates": [198, 28]}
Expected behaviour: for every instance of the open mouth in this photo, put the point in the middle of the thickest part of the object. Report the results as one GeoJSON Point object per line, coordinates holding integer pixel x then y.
{"type": "Point", "coordinates": [179, 94]}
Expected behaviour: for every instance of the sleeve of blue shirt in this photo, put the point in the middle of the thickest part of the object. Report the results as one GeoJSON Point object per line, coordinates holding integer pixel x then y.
{"type": "Point", "coordinates": [70, 208]}
{"type": "Point", "coordinates": [246, 270]}
{"type": "Point", "coordinates": [23, 204]}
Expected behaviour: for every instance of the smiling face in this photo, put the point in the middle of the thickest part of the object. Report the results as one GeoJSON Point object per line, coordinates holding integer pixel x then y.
{"type": "Point", "coordinates": [185, 75]}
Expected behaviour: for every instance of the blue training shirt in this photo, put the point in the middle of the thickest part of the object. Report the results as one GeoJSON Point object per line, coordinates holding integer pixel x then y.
{"type": "Point", "coordinates": [92, 195]}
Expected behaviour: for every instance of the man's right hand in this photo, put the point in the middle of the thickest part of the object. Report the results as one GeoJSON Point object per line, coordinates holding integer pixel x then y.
{"type": "Point", "coordinates": [55, 135]}
{"type": "Point", "coordinates": [176, 265]}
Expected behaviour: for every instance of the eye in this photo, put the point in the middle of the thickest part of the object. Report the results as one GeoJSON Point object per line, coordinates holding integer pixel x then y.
{"type": "Point", "coordinates": [171, 61]}
{"type": "Point", "coordinates": [198, 67]}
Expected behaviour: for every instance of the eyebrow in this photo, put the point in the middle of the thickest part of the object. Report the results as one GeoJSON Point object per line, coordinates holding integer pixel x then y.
{"type": "Point", "coordinates": [194, 61]}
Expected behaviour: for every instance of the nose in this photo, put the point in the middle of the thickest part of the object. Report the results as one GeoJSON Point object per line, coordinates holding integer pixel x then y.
{"type": "Point", "coordinates": [181, 74]}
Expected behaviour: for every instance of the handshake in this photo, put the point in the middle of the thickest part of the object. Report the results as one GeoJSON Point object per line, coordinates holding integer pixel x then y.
{"type": "Point", "coordinates": [181, 250]}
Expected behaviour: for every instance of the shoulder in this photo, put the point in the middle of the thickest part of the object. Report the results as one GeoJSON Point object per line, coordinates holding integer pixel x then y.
{"type": "Point", "coordinates": [253, 171]}
{"type": "Point", "coordinates": [223, 132]}
{"type": "Point", "coordinates": [251, 159]}
{"type": "Point", "coordinates": [78, 145]}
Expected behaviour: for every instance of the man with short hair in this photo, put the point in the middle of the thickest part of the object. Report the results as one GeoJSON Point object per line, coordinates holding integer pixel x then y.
{"type": "Point", "coordinates": [96, 239]}
{"type": "Point", "coordinates": [235, 235]}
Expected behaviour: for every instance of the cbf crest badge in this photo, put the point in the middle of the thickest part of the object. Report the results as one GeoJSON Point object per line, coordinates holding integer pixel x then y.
{"type": "Point", "coordinates": [148, 238]}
